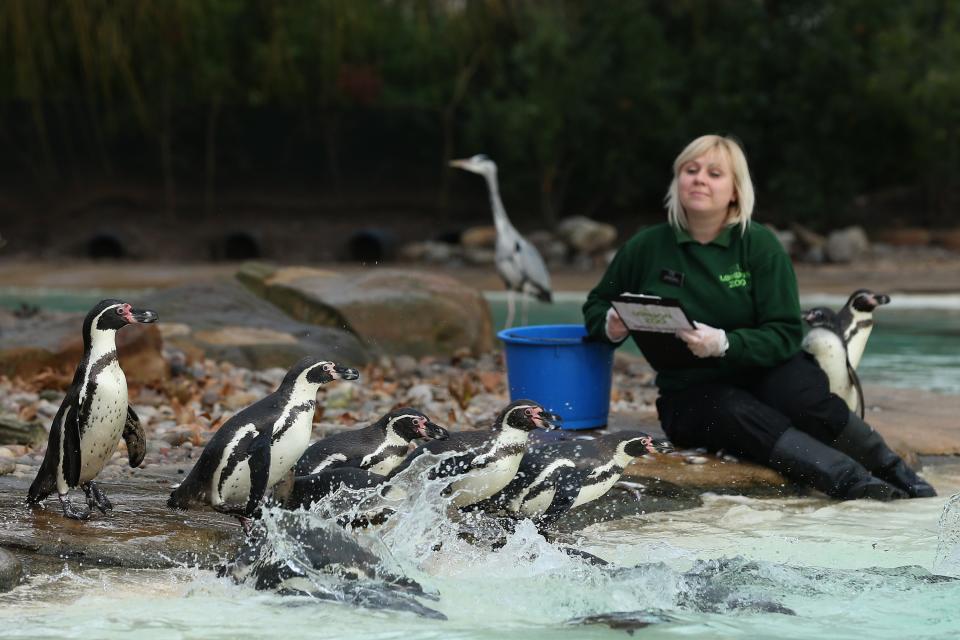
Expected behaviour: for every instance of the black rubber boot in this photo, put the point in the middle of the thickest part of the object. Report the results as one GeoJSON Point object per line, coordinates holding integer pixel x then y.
{"type": "Point", "coordinates": [804, 459]}
{"type": "Point", "coordinates": [867, 447]}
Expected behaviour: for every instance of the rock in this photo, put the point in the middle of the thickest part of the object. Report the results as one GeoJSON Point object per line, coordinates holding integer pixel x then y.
{"type": "Point", "coordinates": [30, 346]}
{"type": "Point", "coordinates": [11, 571]}
{"type": "Point", "coordinates": [905, 237]}
{"type": "Point", "coordinates": [809, 246]}
{"type": "Point", "coordinates": [787, 238]}
{"type": "Point", "coordinates": [478, 255]}
{"type": "Point", "coordinates": [391, 310]}
{"type": "Point", "coordinates": [484, 237]}
{"type": "Point", "coordinates": [13, 431]}
{"type": "Point", "coordinates": [847, 245]}
{"type": "Point", "coordinates": [226, 321]}
{"type": "Point", "coordinates": [7, 466]}
{"type": "Point", "coordinates": [587, 236]}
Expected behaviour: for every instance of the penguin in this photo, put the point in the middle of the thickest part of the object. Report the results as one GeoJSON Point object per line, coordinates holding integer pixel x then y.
{"type": "Point", "coordinates": [488, 459]}
{"type": "Point", "coordinates": [837, 341]}
{"type": "Point", "coordinates": [558, 476]}
{"type": "Point", "coordinates": [307, 489]}
{"type": "Point", "coordinates": [259, 444]}
{"type": "Point", "coordinates": [93, 416]}
{"type": "Point", "coordinates": [379, 448]}
{"type": "Point", "coordinates": [308, 550]}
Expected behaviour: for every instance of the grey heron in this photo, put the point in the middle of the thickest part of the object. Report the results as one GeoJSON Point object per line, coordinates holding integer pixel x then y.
{"type": "Point", "coordinates": [518, 262]}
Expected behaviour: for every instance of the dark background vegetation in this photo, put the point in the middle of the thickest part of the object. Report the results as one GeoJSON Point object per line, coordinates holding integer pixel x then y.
{"type": "Point", "coordinates": [192, 109]}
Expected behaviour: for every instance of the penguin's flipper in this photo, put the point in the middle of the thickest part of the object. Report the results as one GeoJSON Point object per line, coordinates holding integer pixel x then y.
{"type": "Point", "coordinates": [133, 436]}
{"type": "Point", "coordinates": [70, 428]}
{"type": "Point", "coordinates": [455, 466]}
{"type": "Point", "coordinates": [855, 380]}
{"type": "Point", "coordinates": [47, 479]}
{"type": "Point", "coordinates": [259, 460]}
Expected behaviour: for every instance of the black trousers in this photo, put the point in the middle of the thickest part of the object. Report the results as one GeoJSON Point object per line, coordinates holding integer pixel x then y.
{"type": "Point", "coordinates": [747, 419]}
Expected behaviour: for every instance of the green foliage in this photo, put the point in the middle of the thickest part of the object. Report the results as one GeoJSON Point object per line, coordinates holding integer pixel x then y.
{"type": "Point", "coordinates": [584, 104]}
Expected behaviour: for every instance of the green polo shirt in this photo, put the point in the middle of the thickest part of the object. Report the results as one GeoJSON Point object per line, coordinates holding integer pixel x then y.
{"type": "Point", "coordinates": [743, 284]}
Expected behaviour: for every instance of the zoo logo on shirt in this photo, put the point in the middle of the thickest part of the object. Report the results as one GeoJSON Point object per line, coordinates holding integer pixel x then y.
{"type": "Point", "coordinates": [736, 278]}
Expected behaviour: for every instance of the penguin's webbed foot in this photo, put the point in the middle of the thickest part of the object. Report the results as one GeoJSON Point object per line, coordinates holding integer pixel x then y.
{"type": "Point", "coordinates": [71, 511]}
{"type": "Point", "coordinates": [96, 497]}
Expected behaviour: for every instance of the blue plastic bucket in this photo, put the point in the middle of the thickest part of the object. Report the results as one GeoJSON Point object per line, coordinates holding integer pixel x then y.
{"type": "Point", "coordinates": [553, 365]}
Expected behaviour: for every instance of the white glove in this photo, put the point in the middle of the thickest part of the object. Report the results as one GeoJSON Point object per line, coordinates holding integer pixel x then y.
{"type": "Point", "coordinates": [616, 330]}
{"type": "Point", "coordinates": [705, 341]}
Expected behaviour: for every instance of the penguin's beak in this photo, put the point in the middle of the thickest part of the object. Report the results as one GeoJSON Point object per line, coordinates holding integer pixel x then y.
{"type": "Point", "coordinates": [433, 431]}
{"type": "Point", "coordinates": [142, 316]}
{"type": "Point", "coordinates": [549, 420]}
{"type": "Point", "coordinates": [346, 373]}
{"type": "Point", "coordinates": [880, 299]}
{"type": "Point", "coordinates": [659, 445]}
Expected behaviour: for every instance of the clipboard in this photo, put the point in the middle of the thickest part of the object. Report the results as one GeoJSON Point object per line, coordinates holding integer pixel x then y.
{"type": "Point", "coordinates": [653, 322]}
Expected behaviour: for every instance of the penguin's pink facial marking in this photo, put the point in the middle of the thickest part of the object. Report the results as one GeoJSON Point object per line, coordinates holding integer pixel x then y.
{"type": "Point", "coordinates": [422, 427]}
{"type": "Point", "coordinates": [126, 311]}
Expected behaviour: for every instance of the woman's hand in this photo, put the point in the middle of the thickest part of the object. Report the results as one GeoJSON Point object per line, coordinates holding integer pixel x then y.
{"type": "Point", "coordinates": [616, 330]}
{"type": "Point", "coordinates": [704, 341]}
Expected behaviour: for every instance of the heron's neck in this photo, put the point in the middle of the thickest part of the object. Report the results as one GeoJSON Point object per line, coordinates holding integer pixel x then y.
{"type": "Point", "coordinates": [500, 219]}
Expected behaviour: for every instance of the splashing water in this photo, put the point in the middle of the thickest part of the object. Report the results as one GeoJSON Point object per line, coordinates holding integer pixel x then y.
{"type": "Point", "coordinates": [734, 568]}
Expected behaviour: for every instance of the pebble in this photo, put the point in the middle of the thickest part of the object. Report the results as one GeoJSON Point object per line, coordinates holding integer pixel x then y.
{"type": "Point", "coordinates": [419, 395]}
{"type": "Point", "coordinates": [6, 453]}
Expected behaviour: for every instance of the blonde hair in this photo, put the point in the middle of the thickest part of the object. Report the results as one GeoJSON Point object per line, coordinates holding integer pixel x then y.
{"type": "Point", "coordinates": [741, 209]}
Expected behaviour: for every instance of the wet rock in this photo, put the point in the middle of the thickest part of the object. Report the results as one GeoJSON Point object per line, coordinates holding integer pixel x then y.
{"type": "Point", "coordinates": [392, 311]}
{"type": "Point", "coordinates": [11, 571]}
{"type": "Point", "coordinates": [141, 532]}
{"type": "Point", "coordinates": [227, 322]}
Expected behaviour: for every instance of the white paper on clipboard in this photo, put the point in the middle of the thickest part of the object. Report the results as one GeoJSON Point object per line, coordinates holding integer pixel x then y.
{"type": "Point", "coordinates": [651, 313]}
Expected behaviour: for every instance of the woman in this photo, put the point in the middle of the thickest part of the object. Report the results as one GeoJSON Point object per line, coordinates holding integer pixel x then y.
{"type": "Point", "coordinates": [753, 392]}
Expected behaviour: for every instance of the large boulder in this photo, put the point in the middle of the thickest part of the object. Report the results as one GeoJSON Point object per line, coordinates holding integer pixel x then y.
{"type": "Point", "coordinates": [392, 311]}
{"type": "Point", "coordinates": [223, 320]}
{"type": "Point", "coordinates": [587, 236]}
{"type": "Point", "coordinates": [51, 340]}
{"type": "Point", "coordinates": [11, 572]}
{"type": "Point", "coordinates": [847, 245]}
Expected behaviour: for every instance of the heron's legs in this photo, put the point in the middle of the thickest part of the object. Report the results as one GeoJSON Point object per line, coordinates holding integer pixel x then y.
{"type": "Point", "coordinates": [523, 309]}
{"type": "Point", "coordinates": [510, 309]}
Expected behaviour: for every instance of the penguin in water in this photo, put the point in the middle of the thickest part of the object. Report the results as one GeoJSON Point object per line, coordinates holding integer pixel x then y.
{"type": "Point", "coordinates": [838, 340]}
{"type": "Point", "coordinates": [379, 448]}
{"type": "Point", "coordinates": [488, 460]}
{"type": "Point", "coordinates": [325, 563]}
{"type": "Point", "coordinates": [558, 476]}
{"type": "Point", "coordinates": [93, 415]}
{"type": "Point", "coordinates": [258, 445]}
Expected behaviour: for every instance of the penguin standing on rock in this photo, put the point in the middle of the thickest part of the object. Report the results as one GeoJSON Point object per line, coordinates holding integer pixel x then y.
{"type": "Point", "coordinates": [258, 445]}
{"type": "Point", "coordinates": [379, 448]}
{"type": "Point", "coordinates": [94, 414]}
{"type": "Point", "coordinates": [488, 460]}
{"type": "Point", "coordinates": [558, 476]}
{"type": "Point", "coordinates": [838, 340]}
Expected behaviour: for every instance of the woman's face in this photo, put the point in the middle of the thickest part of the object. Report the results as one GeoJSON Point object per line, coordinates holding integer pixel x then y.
{"type": "Point", "coordinates": [706, 185]}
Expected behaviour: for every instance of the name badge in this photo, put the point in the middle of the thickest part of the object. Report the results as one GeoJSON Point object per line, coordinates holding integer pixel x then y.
{"type": "Point", "coordinates": [670, 276]}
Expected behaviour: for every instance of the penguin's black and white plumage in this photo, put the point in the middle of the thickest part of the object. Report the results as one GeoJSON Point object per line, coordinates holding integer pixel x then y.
{"type": "Point", "coordinates": [93, 416]}
{"type": "Point", "coordinates": [308, 489]}
{"type": "Point", "coordinates": [837, 341]}
{"type": "Point", "coordinates": [488, 459]}
{"type": "Point", "coordinates": [558, 476]}
{"type": "Point", "coordinates": [258, 445]}
{"type": "Point", "coordinates": [378, 448]}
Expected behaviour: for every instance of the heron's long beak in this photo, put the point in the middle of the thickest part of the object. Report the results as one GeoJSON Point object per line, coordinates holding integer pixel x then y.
{"type": "Point", "coordinates": [459, 164]}
{"type": "Point", "coordinates": [346, 373]}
